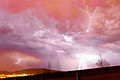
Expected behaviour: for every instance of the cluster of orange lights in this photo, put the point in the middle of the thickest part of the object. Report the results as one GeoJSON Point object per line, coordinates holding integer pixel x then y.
{"type": "Point", "coordinates": [13, 75]}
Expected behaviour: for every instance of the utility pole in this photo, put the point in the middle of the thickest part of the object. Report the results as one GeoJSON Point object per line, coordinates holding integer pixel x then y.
{"type": "Point", "coordinates": [58, 65]}
{"type": "Point", "coordinates": [77, 75]}
{"type": "Point", "coordinates": [49, 65]}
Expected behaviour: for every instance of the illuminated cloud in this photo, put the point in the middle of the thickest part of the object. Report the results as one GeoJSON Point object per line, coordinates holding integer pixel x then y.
{"type": "Point", "coordinates": [14, 60]}
{"type": "Point", "coordinates": [59, 31]}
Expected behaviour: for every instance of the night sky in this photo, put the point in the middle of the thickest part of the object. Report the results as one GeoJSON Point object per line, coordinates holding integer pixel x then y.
{"type": "Point", "coordinates": [68, 34]}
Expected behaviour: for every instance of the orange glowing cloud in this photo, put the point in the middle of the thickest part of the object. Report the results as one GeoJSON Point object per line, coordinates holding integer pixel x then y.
{"type": "Point", "coordinates": [60, 9]}
{"type": "Point", "coordinates": [15, 60]}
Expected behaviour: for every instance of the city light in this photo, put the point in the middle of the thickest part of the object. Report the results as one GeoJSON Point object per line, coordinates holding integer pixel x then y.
{"type": "Point", "coordinates": [13, 75]}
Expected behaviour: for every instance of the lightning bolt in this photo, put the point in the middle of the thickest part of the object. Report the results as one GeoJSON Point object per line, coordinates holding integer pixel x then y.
{"type": "Point", "coordinates": [18, 61]}
{"type": "Point", "coordinates": [91, 17]}
{"type": "Point", "coordinates": [82, 65]}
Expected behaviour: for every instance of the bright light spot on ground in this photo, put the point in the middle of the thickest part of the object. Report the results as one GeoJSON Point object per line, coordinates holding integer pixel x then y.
{"type": "Point", "coordinates": [2, 76]}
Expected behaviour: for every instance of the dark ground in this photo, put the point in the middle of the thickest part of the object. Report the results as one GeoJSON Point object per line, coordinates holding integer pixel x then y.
{"type": "Point", "coordinates": [108, 73]}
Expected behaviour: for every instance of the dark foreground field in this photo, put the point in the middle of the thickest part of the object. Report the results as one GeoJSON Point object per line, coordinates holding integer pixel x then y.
{"type": "Point", "coordinates": [109, 73]}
